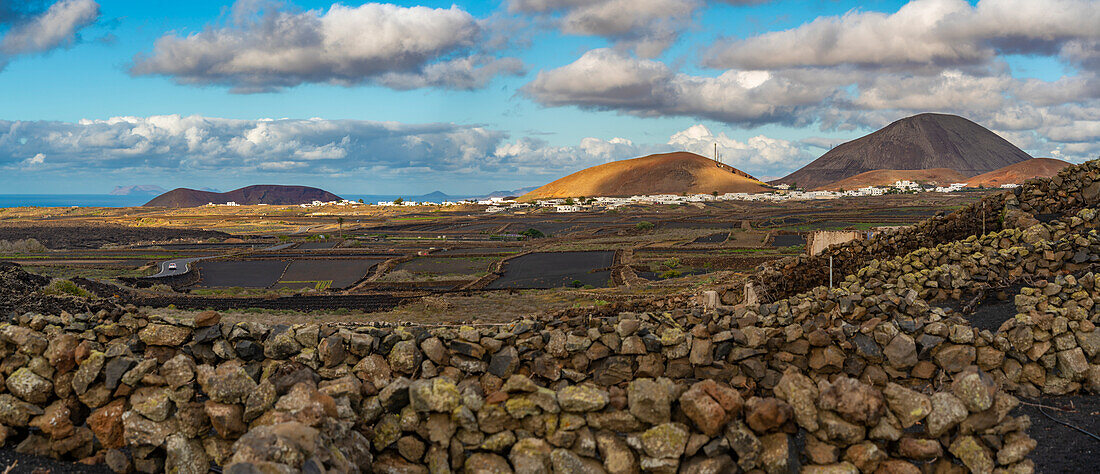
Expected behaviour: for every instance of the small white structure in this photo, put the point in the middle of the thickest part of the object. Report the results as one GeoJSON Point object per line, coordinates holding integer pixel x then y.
{"type": "Point", "coordinates": [232, 203]}
{"type": "Point", "coordinates": [568, 208]}
{"type": "Point", "coordinates": [906, 185]}
{"type": "Point", "coordinates": [494, 209]}
{"type": "Point", "coordinates": [782, 187]}
{"type": "Point", "coordinates": [1009, 185]}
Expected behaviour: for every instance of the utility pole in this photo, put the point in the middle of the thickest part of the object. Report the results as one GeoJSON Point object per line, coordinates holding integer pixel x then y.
{"type": "Point", "coordinates": [716, 152]}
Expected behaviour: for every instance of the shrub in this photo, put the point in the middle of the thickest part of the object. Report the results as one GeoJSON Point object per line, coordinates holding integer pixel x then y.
{"type": "Point", "coordinates": [576, 284]}
{"type": "Point", "coordinates": [644, 225]}
{"type": "Point", "coordinates": [533, 233]}
{"type": "Point", "coordinates": [66, 287]}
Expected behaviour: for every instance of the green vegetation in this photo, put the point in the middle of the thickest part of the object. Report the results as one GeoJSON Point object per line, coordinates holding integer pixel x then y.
{"type": "Point", "coordinates": [533, 233]}
{"type": "Point", "coordinates": [65, 287]}
{"type": "Point", "coordinates": [670, 274]}
{"type": "Point", "coordinates": [644, 225]}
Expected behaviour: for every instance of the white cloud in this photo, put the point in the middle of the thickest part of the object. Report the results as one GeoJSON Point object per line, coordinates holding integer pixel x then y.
{"type": "Point", "coordinates": [41, 32]}
{"type": "Point", "coordinates": [266, 50]}
{"type": "Point", "coordinates": [647, 27]}
{"type": "Point", "coordinates": [605, 79]}
{"type": "Point", "coordinates": [35, 160]}
{"type": "Point", "coordinates": [759, 153]}
{"type": "Point", "coordinates": [198, 144]}
{"type": "Point", "coordinates": [923, 32]}
{"type": "Point", "coordinates": [198, 149]}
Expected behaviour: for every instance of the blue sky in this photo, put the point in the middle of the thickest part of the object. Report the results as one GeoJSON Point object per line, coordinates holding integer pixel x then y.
{"type": "Point", "coordinates": [469, 97]}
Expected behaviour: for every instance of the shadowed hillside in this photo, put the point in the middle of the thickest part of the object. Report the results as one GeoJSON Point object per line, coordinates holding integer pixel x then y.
{"type": "Point", "coordinates": [260, 194]}
{"type": "Point", "coordinates": [668, 173]}
{"type": "Point", "coordinates": [922, 141]}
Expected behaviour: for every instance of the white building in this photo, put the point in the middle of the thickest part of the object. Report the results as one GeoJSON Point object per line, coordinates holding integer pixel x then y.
{"type": "Point", "coordinates": [568, 208]}
{"type": "Point", "coordinates": [906, 185]}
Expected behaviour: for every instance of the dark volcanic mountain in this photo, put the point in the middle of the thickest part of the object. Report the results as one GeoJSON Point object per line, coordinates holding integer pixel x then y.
{"type": "Point", "coordinates": [919, 142]}
{"type": "Point", "coordinates": [260, 194]}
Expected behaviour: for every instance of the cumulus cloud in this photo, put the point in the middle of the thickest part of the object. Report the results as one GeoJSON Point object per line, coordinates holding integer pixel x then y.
{"type": "Point", "coordinates": [647, 27]}
{"type": "Point", "coordinates": [34, 32]}
{"type": "Point", "coordinates": [197, 144]}
{"type": "Point", "coordinates": [267, 47]}
{"type": "Point", "coordinates": [293, 150]}
{"type": "Point", "coordinates": [606, 79]}
{"type": "Point", "coordinates": [761, 154]}
{"type": "Point", "coordinates": [923, 32]}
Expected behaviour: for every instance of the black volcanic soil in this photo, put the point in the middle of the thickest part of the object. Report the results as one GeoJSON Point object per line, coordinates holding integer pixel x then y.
{"type": "Point", "coordinates": [712, 239]}
{"type": "Point", "coordinates": [922, 141]}
{"type": "Point", "coordinates": [1061, 448]}
{"type": "Point", "coordinates": [553, 270]}
{"type": "Point", "coordinates": [240, 274]}
{"type": "Point", "coordinates": [94, 237]}
{"type": "Point", "coordinates": [28, 463]}
{"type": "Point", "coordinates": [260, 194]}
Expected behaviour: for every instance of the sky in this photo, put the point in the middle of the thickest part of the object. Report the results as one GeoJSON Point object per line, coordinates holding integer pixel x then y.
{"type": "Point", "coordinates": [477, 96]}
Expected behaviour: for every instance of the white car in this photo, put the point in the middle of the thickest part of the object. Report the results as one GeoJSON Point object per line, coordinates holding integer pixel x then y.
{"type": "Point", "coordinates": [171, 266]}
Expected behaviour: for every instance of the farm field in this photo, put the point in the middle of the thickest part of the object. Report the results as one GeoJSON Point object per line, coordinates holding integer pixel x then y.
{"type": "Point", "coordinates": [240, 274]}
{"type": "Point", "coordinates": [325, 274]}
{"type": "Point", "coordinates": [552, 270]}
{"type": "Point", "coordinates": [446, 254]}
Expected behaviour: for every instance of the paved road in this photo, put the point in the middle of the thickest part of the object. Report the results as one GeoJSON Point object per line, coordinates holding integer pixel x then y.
{"type": "Point", "coordinates": [182, 266]}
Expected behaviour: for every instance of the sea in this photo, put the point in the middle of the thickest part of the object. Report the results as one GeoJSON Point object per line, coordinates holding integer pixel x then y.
{"type": "Point", "coordinates": [108, 200]}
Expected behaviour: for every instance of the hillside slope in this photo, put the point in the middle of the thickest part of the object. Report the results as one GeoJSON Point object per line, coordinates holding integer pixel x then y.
{"type": "Point", "coordinates": [668, 173]}
{"type": "Point", "coordinates": [922, 141]}
{"type": "Point", "coordinates": [275, 195]}
{"type": "Point", "coordinates": [936, 176]}
{"type": "Point", "coordinates": [1019, 172]}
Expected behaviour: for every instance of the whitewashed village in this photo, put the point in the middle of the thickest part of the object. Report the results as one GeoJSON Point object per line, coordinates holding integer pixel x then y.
{"type": "Point", "coordinates": [782, 192]}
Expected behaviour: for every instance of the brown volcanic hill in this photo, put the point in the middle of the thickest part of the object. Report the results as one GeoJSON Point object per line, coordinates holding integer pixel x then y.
{"type": "Point", "coordinates": [668, 173]}
{"type": "Point", "coordinates": [275, 195]}
{"type": "Point", "coordinates": [1019, 172]}
{"type": "Point", "coordinates": [936, 176]}
{"type": "Point", "coordinates": [922, 141]}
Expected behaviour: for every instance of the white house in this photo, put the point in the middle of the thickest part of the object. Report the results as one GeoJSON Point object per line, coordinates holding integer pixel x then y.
{"type": "Point", "coordinates": [568, 208]}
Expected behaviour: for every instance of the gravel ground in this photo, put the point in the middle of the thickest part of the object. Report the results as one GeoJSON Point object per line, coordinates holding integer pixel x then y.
{"type": "Point", "coordinates": [1062, 449]}
{"type": "Point", "coordinates": [28, 464]}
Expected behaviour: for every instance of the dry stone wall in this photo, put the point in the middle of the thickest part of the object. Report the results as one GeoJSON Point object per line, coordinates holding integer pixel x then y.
{"type": "Point", "coordinates": [636, 392]}
{"type": "Point", "coordinates": [1074, 188]}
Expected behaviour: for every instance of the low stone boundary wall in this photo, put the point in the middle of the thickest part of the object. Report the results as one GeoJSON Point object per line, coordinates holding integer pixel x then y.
{"type": "Point", "coordinates": [618, 394]}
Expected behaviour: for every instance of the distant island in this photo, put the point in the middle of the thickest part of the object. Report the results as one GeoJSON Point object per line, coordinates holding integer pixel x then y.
{"type": "Point", "coordinates": [275, 195]}
{"type": "Point", "coordinates": [137, 189]}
